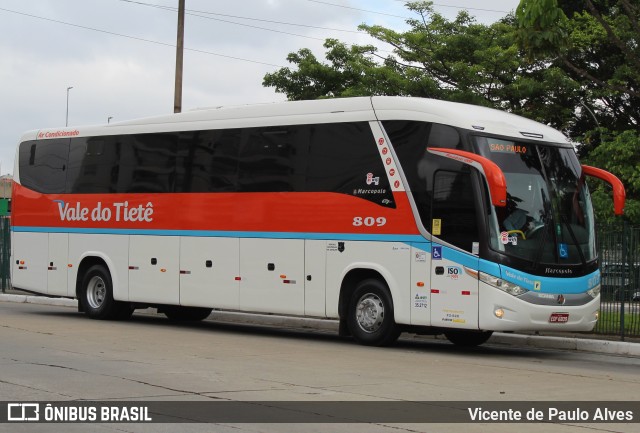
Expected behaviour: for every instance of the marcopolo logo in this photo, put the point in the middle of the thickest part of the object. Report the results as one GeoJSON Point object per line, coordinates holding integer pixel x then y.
{"type": "Point", "coordinates": [371, 180]}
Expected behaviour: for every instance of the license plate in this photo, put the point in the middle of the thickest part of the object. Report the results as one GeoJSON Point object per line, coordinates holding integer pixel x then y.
{"type": "Point", "coordinates": [559, 318]}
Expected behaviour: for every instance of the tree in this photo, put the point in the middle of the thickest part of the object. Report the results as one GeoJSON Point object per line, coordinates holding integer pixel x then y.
{"type": "Point", "coordinates": [619, 153]}
{"type": "Point", "coordinates": [574, 66]}
{"type": "Point", "coordinates": [459, 60]}
{"type": "Point", "coordinates": [352, 71]}
{"type": "Point", "coordinates": [595, 42]}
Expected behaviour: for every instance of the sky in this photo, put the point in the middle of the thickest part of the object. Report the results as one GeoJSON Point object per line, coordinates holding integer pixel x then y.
{"type": "Point", "coordinates": [119, 55]}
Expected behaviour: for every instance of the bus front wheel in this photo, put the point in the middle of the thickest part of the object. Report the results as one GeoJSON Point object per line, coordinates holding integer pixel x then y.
{"type": "Point", "coordinates": [96, 296]}
{"type": "Point", "coordinates": [370, 318]}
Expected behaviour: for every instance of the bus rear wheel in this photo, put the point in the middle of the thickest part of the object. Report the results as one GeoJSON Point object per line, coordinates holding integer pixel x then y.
{"type": "Point", "coordinates": [468, 338]}
{"type": "Point", "coordinates": [96, 296]}
{"type": "Point", "coordinates": [183, 314]}
{"type": "Point", "coordinates": [370, 314]}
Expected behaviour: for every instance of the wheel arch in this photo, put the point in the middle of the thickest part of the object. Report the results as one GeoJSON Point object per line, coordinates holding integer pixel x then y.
{"type": "Point", "coordinates": [90, 259]}
{"type": "Point", "coordinates": [358, 272]}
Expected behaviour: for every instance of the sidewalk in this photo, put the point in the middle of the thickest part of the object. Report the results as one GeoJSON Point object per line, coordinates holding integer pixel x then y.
{"type": "Point", "coordinates": [563, 342]}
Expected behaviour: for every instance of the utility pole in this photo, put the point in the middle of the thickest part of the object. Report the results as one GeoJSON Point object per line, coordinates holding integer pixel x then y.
{"type": "Point", "coordinates": [66, 121]}
{"type": "Point", "coordinates": [177, 100]}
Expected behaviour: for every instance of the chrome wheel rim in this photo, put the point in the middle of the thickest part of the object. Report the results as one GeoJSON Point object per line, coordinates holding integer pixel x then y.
{"type": "Point", "coordinates": [96, 292]}
{"type": "Point", "coordinates": [370, 313]}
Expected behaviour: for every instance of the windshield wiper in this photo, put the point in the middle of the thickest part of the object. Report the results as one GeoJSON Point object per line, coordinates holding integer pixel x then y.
{"type": "Point", "coordinates": [563, 220]}
{"type": "Point", "coordinates": [546, 219]}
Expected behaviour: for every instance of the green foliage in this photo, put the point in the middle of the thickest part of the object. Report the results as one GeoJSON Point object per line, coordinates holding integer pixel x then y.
{"type": "Point", "coordinates": [351, 72]}
{"type": "Point", "coordinates": [595, 43]}
{"type": "Point", "coordinates": [542, 26]}
{"type": "Point", "coordinates": [618, 153]}
{"type": "Point", "coordinates": [574, 65]}
{"type": "Point", "coordinates": [458, 60]}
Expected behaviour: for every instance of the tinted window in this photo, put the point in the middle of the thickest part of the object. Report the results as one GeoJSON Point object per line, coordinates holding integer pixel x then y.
{"type": "Point", "coordinates": [148, 163]}
{"type": "Point", "coordinates": [43, 165]}
{"type": "Point", "coordinates": [410, 140]}
{"type": "Point", "coordinates": [344, 158]}
{"type": "Point", "coordinates": [208, 160]}
{"type": "Point", "coordinates": [444, 136]}
{"type": "Point", "coordinates": [273, 159]}
{"type": "Point", "coordinates": [454, 207]}
{"type": "Point", "coordinates": [143, 163]}
{"type": "Point", "coordinates": [94, 164]}
{"type": "Point", "coordinates": [340, 158]}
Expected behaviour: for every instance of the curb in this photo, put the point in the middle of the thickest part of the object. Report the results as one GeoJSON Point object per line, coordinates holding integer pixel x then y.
{"type": "Point", "coordinates": [567, 343]}
{"type": "Point", "coordinates": [42, 300]}
{"type": "Point", "coordinates": [498, 338]}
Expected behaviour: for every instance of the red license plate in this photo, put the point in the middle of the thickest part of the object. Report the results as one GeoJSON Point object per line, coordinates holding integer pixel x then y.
{"type": "Point", "coordinates": [559, 318]}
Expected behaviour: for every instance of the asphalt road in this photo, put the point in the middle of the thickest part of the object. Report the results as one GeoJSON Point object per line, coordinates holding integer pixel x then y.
{"type": "Point", "coordinates": [54, 353]}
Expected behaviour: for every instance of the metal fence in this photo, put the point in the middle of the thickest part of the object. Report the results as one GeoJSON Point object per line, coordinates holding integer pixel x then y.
{"type": "Point", "coordinates": [619, 252]}
{"type": "Point", "coordinates": [5, 253]}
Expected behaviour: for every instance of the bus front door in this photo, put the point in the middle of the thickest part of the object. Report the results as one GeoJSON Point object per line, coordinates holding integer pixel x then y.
{"type": "Point", "coordinates": [454, 251]}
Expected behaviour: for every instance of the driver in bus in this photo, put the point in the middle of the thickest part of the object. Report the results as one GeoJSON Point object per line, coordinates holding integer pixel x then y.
{"type": "Point", "coordinates": [517, 220]}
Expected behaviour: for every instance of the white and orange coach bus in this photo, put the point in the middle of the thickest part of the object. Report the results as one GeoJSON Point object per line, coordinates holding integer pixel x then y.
{"type": "Point", "coordinates": [389, 214]}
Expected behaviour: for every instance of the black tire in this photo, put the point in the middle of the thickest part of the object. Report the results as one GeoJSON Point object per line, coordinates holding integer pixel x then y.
{"type": "Point", "coordinates": [183, 314]}
{"type": "Point", "coordinates": [468, 338]}
{"type": "Point", "coordinates": [96, 296]}
{"type": "Point", "coordinates": [370, 314]}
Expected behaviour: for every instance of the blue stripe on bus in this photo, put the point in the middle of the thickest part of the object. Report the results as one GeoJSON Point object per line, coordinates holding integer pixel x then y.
{"type": "Point", "coordinates": [547, 284]}
{"type": "Point", "coordinates": [557, 285]}
{"type": "Point", "coordinates": [461, 258]}
{"type": "Point", "coordinates": [551, 284]}
{"type": "Point", "coordinates": [228, 234]}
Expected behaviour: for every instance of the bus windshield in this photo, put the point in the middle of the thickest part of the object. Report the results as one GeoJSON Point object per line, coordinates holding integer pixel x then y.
{"type": "Point", "coordinates": [548, 217]}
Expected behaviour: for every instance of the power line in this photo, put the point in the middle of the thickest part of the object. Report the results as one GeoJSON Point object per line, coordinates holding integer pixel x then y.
{"type": "Point", "coordinates": [358, 9]}
{"type": "Point", "coordinates": [464, 7]}
{"type": "Point", "coordinates": [137, 38]}
{"type": "Point", "coordinates": [400, 16]}
{"type": "Point", "coordinates": [193, 12]}
{"type": "Point", "coordinates": [172, 9]}
{"type": "Point", "coordinates": [255, 27]}
{"type": "Point", "coordinates": [470, 8]}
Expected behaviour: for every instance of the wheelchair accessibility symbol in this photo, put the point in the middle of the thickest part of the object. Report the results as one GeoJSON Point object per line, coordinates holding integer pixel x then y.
{"type": "Point", "coordinates": [436, 253]}
{"type": "Point", "coordinates": [563, 251]}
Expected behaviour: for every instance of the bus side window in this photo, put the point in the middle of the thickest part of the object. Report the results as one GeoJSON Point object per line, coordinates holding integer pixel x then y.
{"type": "Point", "coordinates": [444, 136]}
{"type": "Point", "coordinates": [344, 158]}
{"type": "Point", "coordinates": [409, 139]}
{"type": "Point", "coordinates": [43, 165]}
{"type": "Point", "coordinates": [91, 164]}
{"type": "Point", "coordinates": [454, 206]}
{"type": "Point", "coordinates": [269, 157]}
{"type": "Point", "coordinates": [208, 160]}
{"type": "Point", "coordinates": [151, 166]}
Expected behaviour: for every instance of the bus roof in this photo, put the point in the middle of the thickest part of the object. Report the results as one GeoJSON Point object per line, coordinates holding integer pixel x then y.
{"type": "Point", "coordinates": [464, 116]}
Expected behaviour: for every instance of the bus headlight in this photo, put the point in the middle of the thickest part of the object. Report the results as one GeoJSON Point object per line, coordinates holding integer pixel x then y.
{"type": "Point", "coordinates": [505, 286]}
{"type": "Point", "coordinates": [594, 292]}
